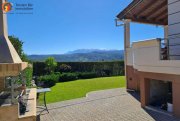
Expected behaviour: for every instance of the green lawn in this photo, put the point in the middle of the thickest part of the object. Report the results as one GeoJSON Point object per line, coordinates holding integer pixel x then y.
{"type": "Point", "coordinates": [79, 88]}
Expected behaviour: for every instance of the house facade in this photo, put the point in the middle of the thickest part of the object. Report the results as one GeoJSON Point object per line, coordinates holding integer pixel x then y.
{"type": "Point", "coordinates": [153, 65]}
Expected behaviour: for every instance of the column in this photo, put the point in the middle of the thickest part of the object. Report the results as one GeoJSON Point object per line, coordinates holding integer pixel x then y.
{"type": "Point", "coordinates": [176, 97]}
{"type": "Point", "coordinates": [166, 34]}
{"type": "Point", "coordinates": [166, 31]}
{"type": "Point", "coordinates": [2, 85]}
{"type": "Point", "coordinates": [145, 91]}
{"type": "Point", "coordinates": [3, 22]}
{"type": "Point", "coordinates": [126, 34]}
{"type": "Point", "coordinates": [126, 45]}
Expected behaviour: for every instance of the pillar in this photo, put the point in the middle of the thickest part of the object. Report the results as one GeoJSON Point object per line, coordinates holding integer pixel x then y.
{"type": "Point", "coordinates": [3, 22]}
{"type": "Point", "coordinates": [145, 91]}
{"type": "Point", "coordinates": [166, 34]}
{"type": "Point", "coordinates": [2, 84]}
{"type": "Point", "coordinates": [126, 34]}
{"type": "Point", "coordinates": [126, 45]}
{"type": "Point", "coordinates": [176, 97]}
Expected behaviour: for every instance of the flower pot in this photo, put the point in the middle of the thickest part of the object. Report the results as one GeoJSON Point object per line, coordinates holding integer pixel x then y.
{"type": "Point", "coordinates": [170, 107]}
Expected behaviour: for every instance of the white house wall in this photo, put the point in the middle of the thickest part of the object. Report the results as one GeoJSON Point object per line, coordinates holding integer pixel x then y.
{"type": "Point", "coordinates": [129, 57]}
{"type": "Point", "coordinates": [146, 58]}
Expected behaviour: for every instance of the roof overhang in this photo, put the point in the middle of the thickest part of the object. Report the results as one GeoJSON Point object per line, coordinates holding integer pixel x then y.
{"type": "Point", "coordinates": [146, 11]}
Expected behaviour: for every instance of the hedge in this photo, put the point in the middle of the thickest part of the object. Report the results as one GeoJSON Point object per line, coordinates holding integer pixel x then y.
{"type": "Point", "coordinates": [100, 68]}
{"type": "Point", "coordinates": [86, 75]}
{"type": "Point", "coordinates": [67, 77]}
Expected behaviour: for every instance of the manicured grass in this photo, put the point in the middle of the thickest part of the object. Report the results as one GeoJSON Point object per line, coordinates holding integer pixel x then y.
{"type": "Point", "coordinates": [79, 88]}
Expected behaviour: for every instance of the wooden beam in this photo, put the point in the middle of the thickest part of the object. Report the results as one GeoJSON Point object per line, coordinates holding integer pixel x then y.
{"type": "Point", "coordinates": [166, 20]}
{"type": "Point", "coordinates": [145, 8]}
{"type": "Point", "coordinates": [150, 13]}
{"type": "Point", "coordinates": [164, 16]}
{"type": "Point", "coordinates": [161, 14]}
{"type": "Point", "coordinates": [131, 6]}
{"type": "Point", "coordinates": [157, 9]}
{"type": "Point", "coordinates": [147, 21]}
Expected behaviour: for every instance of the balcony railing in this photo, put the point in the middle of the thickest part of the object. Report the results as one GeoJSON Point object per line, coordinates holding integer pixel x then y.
{"type": "Point", "coordinates": [164, 49]}
{"type": "Point", "coordinates": [169, 50]}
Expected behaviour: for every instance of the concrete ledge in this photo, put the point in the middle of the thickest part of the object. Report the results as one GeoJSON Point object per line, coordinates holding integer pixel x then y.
{"type": "Point", "coordinates": [9, 113]}
{"type": "Point", "coordinates": [11, 69]}
{"type": "Point", "coordinates": [31, 115]}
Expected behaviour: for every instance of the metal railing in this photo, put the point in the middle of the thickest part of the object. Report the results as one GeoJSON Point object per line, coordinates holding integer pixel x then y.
{"type": "Point", "coordinates": [166, 49]}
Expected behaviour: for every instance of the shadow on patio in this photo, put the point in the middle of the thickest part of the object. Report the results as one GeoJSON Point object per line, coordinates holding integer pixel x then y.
{"type": "Point", "coordinates": [156, 114]}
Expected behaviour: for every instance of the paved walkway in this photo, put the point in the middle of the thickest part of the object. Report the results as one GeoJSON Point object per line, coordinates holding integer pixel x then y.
{"type": "Point", "coordinates": [107, 105]}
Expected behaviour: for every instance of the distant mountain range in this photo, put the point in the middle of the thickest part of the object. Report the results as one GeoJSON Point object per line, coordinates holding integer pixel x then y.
{"type": "Point", "coordinates": [88, 51]}
{"type": "Point", "coordinates": [83, 55]}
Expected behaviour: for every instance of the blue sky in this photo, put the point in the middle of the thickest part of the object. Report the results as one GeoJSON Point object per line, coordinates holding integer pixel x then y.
{"type": "Point", "coordinates": [58, 26]}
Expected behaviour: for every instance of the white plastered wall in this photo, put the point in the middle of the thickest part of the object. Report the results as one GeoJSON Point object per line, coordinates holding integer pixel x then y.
{"type": "Point", "coordinates": [146, 58]}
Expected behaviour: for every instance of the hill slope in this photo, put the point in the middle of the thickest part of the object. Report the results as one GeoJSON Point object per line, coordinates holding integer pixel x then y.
{"type": "Point", "coordinates": [83, 56]}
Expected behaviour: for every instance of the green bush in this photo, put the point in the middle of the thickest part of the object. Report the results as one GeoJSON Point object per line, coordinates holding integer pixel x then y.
{"type": "Point", "coordinates": [48, 80]}
{"type": "Point", "coordinates": [67, 77]}
{"type": "Point", "coordinates": [57, 73]}
{"type": "Point", "coordinates": [64, 68]}
{"type": "Point", "coordinates": [28, 74]}
{"type": "Point", "coordinates": [87, 75]}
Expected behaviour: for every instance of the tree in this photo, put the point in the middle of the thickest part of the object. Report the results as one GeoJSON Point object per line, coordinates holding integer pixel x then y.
{"type": "Point", "coordinates": [18, 45]}
{"type": "Point", "coordinates": [50, 64]}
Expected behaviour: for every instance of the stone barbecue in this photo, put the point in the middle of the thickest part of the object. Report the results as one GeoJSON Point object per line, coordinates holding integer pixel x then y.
{"type": "Point", "coordinates": [11, 91]}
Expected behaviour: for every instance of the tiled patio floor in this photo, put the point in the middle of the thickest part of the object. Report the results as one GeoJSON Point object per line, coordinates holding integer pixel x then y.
{"type": "Point", "coordinates": [107, 105]}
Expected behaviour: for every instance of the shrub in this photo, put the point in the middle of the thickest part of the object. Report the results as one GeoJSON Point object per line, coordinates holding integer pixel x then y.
{"type": "Point", "coordinates": [48, 80]}
{"type": "Point", "coordinates": [64, 68]}
{"type": "Point", "coordinates": [28, 74]}
{"type": "Point", "coordinates": [67, 77]}
{"type": "Point", "coordinates": [57, 73]}
{"type": "Point", "coordinates": [87, 75]}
